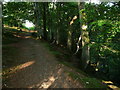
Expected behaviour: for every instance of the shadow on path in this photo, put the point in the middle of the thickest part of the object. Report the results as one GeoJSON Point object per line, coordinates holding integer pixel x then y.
{"type": "Point", "coordinates": [36, 67]}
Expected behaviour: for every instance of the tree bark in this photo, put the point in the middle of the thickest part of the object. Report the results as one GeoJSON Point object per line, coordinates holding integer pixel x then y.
{"type": "Point", "coordinates": [58, 24]}
{"type": "Point", "coordinates": [37, 16]}
{"type": "Point", "coordinates": [44, 21]}
{"type": "Point", "coordinates": [84, 36]}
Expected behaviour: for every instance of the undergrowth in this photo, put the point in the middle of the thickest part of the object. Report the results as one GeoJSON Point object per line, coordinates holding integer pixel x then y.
{"type": "Point", "coordinates": [86, 80]}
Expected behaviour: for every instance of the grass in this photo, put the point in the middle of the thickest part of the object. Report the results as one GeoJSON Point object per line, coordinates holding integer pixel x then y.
{"type": "Point", "coordinates": [50, 48]}
{"type": "Point", "coordinates": [88, 82]}
{"type": "Point", "coordinates": [85, 79]}
{"type": "Point", "coordinates": [82, 77]}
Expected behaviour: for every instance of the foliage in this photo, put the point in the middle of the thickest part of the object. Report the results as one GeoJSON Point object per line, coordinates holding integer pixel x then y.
{"type": "Point", "coordinates": [104, 34]}
{"type": "Point", "coordinates": [88, 82]}
{"type": "Point", "coordinates": [57, 23]}
{"type": "Point", "coordinates": [15, 13]}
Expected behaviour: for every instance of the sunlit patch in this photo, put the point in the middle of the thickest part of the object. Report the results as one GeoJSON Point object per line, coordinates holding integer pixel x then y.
{"type": "Point", "coordinates": [47, 30]}
{"type": "Point", "coordinates": [27, 36]}
{"type": "Point", "coordinates": [84, 27]}
{"type": "Point", "coordinates": [10, 27]}
{"type": "Point", "coordinates": [113, 87]}
{"type": "Point", "coordinates": [107, 82]}
{"type": "Point", "coordinates": [114, 51]}
{"type": "Point", "coordinates": [24, 30]}
{"type": "Point", "coordinates": [19, 36]}
{"type": "Point", "coordinates": [71, 22]}
{"type": "Point", "coordinates": [48, 83]}
{"type": "Point", "coordinates": [110, 84]}
{"type": "Point", "coordinates": [16, 68]}
{"type": "Point", "coordinates": [16, 35]}
{"type": "Point", "coordinates": [29, 24]}
{"type": "Point", "coordinates": [74, 18]}
{"type": "Point", "coordinates": [26, 64]}
{"type": "Point", "coordinates": [96, 69]}
{"type": "Point", "coordinates": [59, 71]}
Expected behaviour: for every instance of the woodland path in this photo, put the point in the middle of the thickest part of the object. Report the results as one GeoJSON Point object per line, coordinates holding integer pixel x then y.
{"type": "Point", "coordinates": [38, 68]}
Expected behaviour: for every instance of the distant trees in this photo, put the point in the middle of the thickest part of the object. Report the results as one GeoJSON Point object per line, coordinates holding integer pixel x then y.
{"type": "Point", "coordinates": [37, 16]}
{"type": "Point", "coordinates": [15, 13]}
{"type": "Point", "coordinates": [44, 20]}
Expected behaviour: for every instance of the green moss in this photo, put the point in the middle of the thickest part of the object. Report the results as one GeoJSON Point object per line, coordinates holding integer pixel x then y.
{"type": "Point", "coordinates": [82, 77]}
{"type": "Point", "coordinates": [54, 52]}
{"type": "Point", "coordinates": [45, 44]}
{"type": "Point", "coordinates": [88, 82]}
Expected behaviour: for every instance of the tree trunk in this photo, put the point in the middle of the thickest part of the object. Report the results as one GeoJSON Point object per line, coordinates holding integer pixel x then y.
{"type": "Point", "coordinates": [44, 21]}
{"type": "Point", "coordinates": [49, 25]}
{"type": "Point", "coordinates": [58, 24]}
{"type": "Point", "coordinates": [84, 36]}
{"type": "Point", "coordinates": [69, 40]}
{"type": "Point", "coordinates": [70, 33]}
{"type": "Point", "coordinates": [37, 18]}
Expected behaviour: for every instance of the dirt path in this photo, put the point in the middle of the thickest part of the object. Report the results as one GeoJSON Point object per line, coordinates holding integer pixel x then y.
{"type": "Point", "coordinates": [38, 68]}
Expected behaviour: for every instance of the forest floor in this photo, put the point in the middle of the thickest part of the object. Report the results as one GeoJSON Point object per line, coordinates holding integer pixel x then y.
{"type": "Point", "coordinates": [27, 63]}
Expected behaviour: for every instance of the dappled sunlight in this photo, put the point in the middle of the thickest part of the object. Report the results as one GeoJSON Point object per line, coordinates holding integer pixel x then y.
{"type": "Point", "coordinates": [84, 27]}
{"type": "Point", "coordinates": [110, 49]}
{"type": "Point", "coordinates": [50, 81]}
{"type": "Point", "coordinates": [10, 27]}
{"type": "Point", "coordinates": [19, 67]}
{"type": "Point", "coordinates": [72, 21]}
{"type": "Point", "coordinates": [60, 71]}
{"type": "Point", "coordinates": [20, 33]}
{"type": "Point", "coordinates": [107, 82]}
{"type": "Point", "coordinates": [20, 36]}
{"type": "Point", "coordinates": [26, 64]}
{"type": "Point", "coordinates": [27, 36]}
{"type": "Point", "coordinates": [60, 45]}
{"type": "Point", "coordinates": [17, 35]}
{"type": "Point", "coordinates": [110, 84]}
{"type": "Point", "coordinates": [113, 87]}
{"type": "Point", "coordinates": [24, 30]}
{"type": "Point", "coordinates": [46, 83]}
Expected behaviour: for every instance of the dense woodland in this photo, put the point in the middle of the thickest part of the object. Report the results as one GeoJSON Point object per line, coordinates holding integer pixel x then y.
{"type": "Point", "coordinates": [89, 31]}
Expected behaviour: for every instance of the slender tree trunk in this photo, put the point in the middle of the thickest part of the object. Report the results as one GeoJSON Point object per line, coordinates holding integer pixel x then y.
{"type": "Point", "coordinates": [44, 21]}
{"type": "Point", "coordinates": [58, 24]}
{"type": "Point", "coordinates": [38, 20]}
{"type": "Point", "coordinates": [1, 28]}
{"type": "Point", "coordinates": [69, 43]}
{"type": "Point", "coordinates": [84, 36]}
{"type": "Point", "coordinates": [49, 24]}
{"type": "Point", "coordinates": [53, 29]}
{"type": "Point", "coordinates": [70, 33]}
{"type": "Point", "coordinates": [37, 16]}
{"type": "Point", "coordinates": [69, 40]}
